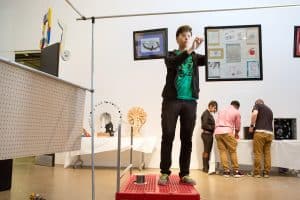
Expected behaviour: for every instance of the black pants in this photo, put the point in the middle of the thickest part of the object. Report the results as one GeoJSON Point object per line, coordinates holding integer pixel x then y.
{"type": "Point", "coordinates": [208, 142]}
{"type": "Point", "coordinates": [171, 110]}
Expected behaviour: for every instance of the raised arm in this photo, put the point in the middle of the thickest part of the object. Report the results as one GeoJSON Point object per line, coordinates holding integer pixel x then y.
{"type": "Point", "coordinates": [200, 59]}
{"type": "Point", "coordinates": [172, 60]}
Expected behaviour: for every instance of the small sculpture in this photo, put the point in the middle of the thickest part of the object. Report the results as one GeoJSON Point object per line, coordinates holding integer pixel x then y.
{"type": "Point", "coordinates": [107, 118]}
{"type": "Point", "coordinates": [106, 125]}
{"type": "Point", "coordinates": [34, 196]}
{"type": "Point", "coordinates": [85, 133]}
{"type": "Point", "coordinates": [109, 128]}
{"type": "Point", "coordinates": [136, 118]}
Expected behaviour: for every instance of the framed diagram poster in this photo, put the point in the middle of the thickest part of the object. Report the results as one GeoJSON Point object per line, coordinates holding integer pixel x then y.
{"type": "Point", "coordinates": [150, 44]}
{"type": "Point", "coordinates": [233, 53]}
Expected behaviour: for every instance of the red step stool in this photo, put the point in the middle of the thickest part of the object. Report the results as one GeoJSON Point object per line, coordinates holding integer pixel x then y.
{"type": "Point", "coordinates": [150, 190]}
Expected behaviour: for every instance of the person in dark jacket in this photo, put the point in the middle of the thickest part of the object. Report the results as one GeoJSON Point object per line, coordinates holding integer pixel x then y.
{"type": "Point", "coordinates": [208, 127]}
{"type": "Point", "coordinates": [179, 100]}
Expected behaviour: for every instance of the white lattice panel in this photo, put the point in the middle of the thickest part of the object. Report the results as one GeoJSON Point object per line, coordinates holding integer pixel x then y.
{"type": "Point", "coordinates": [38, 114]}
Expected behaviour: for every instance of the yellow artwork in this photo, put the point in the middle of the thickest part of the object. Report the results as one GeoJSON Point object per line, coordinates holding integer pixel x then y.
{"type": "Point", "coordinates": [137, 118]}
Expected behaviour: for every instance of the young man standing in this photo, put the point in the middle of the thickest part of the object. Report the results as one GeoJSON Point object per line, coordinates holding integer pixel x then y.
{"type": "Point", "coordinates": [262, 123]}
{"type": "Point", "coordinates": [179, 100]}
{"type": "Point", "coordinates": [228, 125]}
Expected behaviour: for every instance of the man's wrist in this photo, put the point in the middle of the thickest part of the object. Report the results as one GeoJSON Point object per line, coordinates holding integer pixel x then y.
{"type": "Point", "coordinates": [251, 125]}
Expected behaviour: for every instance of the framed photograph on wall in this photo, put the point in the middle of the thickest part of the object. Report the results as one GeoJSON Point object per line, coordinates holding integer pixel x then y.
{"type": "Point", "coordinates": [150, 44]}
{"type": "Point", "coordinates": [297, 41]}
{"type": "Point", "coordinates": [233, 53]}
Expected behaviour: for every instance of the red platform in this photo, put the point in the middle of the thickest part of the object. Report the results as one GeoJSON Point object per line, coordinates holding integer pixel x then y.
{"type": "Point", "coordinates": [152, 191]}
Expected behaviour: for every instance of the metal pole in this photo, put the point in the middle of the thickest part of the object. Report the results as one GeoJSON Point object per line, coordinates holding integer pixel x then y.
{"type": "Point", "coordinates": [82, 16]}
{"type": "Point", "coordinates": [119, 158]}
{"type": "Point", "coordinates": [92, 112]}
{"type": "Point", "coordinates": [192, 11]}
{"type": "Point", "coordinates": [92, 90]}
{"type": "Point", "coordinates": [131, 148]}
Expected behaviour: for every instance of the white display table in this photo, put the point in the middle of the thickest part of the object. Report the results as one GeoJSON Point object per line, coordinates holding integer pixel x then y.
{"type": "Point", "coordinates": [144, 144]}
{"type": "Point", "coordinates": [284, 153]}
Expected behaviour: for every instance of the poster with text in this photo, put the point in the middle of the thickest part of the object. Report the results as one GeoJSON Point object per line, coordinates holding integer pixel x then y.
{"type": "Point", "coordinates": [233, 53]}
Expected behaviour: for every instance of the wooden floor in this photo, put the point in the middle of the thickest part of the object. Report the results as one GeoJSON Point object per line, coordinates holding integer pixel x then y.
{"type": "Point", "coordinates": [57, 183]}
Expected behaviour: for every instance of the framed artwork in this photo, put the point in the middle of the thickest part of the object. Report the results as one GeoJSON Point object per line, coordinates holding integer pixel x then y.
{"type": "Point", "coordinates": [297, 41]}
{"type": "Point", "coordinates": [214, 37]}
{"type": "Point", "coordinates": [150, 44]}
{"type": "Point", "coordinates": [234, 53]}
{"type": "Point", "coordinates": [214, 69]}
{"type": "Point", "coordinates": [216, 53]}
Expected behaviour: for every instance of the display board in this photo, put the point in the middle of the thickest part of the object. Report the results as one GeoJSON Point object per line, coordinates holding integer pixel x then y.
{"type": "Point", "coordinates": [40, 113]}
{"type": "Point", "coordinates": [233, 53]}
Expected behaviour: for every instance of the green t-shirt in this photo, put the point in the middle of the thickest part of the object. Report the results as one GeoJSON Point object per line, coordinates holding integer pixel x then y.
{"type": "Point", "coordinates": [184, 79]}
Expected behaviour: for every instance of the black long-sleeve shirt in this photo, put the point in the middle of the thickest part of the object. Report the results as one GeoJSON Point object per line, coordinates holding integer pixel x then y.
{"type": "Point", "coordinates": [207, 122]}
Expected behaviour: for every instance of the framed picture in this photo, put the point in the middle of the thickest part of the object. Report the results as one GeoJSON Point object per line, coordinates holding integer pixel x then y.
{"type": "Point", "coordinates": [216, 53]}
{"type": "Point", "coordinates": [297, 41]}
{"type": "Point", "coordinates": [214, 37]}
{"type": "Point", "coordinates": [150, 44]}
{"type": "Point", "coordinates": [234, 53]}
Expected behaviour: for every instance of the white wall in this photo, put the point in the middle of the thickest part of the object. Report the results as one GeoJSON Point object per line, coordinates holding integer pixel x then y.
{"type": "Point", "coordinates": [130, 83]}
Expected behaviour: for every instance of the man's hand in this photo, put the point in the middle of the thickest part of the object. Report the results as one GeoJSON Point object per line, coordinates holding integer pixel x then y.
{"type": "Point", "coordinates": [196, 43]}
{"type": "Point", "coordinates": [251, 129]}
{"type": "Point", "coordinates": [236, 135]}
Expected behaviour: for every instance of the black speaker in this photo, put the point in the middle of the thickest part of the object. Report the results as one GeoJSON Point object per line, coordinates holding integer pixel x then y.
{"type": "Point", "coordinates": [247, 134]}
{"type": "Point", "coordinates": [5, 174]}
{"type": "Point", "coordinates": [50, 59]}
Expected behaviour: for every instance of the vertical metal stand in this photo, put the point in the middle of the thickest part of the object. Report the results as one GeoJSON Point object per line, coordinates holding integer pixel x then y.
{"type": "Point", "coordinates": [92, 112]}
{"type": "Point", "coordinates": [142, 164]}
{"type": "Point", "coordinates": [131, 147]}
{"type": "Point", "coordinates": [92, 90]}
{"type": "Point", "coordinates": [119, 159]}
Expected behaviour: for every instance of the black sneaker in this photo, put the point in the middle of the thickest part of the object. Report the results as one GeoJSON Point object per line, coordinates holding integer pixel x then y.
{"type": "Point", "coordinates": [237, 174]}
{"type": "Point", "coordinates": [226, 174]}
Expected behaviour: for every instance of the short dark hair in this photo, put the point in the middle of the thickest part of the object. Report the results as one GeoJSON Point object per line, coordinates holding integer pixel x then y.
{"type": "Point", "coordinates": [182, 29]}
{"type": "Point", "coordinates": [259, 101]}
{"type": "Point", "coordinates": [235, 103]}
{"type": "Point", "coordinates": [213, 103]}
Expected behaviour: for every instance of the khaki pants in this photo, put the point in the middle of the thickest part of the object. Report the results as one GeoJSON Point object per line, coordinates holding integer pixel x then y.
{"type": "Point", "coordinates": [227, 142]}
{"type": "Point", "coordinates": [262, 147]}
